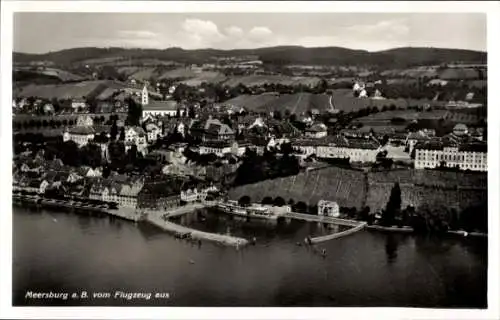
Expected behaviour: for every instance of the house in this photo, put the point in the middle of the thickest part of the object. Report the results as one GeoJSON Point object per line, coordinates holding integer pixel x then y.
{"type": "Point", "coordinates": [317, 130]}
{"type": "Point", "coordinates": [437, 82]}
{"type": "Point", "coordinates": [414, 138]}
{"type": "Point", "coordinates": [48, 108]}
{"type": "Point", "coordinates": [328, 208]}
{"type": "Point", "coordinates": [153, 132]}
{"type": "Point", "coordinates": [136, 135]}
{"type": "Point", "coordinates": [196, 190]}
{"type": "Point", "coordinates": [212, 130]}
{"type": "Point", "coordinates": [218, 148]}
{"type": "Point", "coordinates": [113, 189]}
{"type": "Point", "coordinates": [460, 130]}
{"type": "Point", "coordinates": [80, 135]}
{"type": "Point", "coordinates": [84, 121]}
{"type": "Point", "coordinates": [78, 104]}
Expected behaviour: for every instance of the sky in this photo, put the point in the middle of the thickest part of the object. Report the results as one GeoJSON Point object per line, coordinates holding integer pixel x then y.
{"type": "Point", "coordinates": [39, 32]}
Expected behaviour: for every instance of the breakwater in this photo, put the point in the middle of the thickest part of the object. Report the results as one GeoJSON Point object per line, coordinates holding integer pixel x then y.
{"type": "Point", "coordinates": [337, 235]}
{"type": "Point", "coordinates": [158, 220]}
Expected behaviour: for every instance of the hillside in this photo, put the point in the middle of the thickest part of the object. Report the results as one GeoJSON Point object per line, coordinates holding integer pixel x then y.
{"type": "Point", "coordinates": [400, 57]}
{"type": "Point", "coordinates": [351, 188]}
{"type": "Point", "coordinates": [344, 186]}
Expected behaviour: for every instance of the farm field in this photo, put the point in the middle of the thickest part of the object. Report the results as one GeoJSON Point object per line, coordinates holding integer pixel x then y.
{"type": "Point", "coordinates": [251, 102]}
{"type": "Point", "coordinates": [206, 76]}
{"type": "Point", "coordinates": [53, 72]}
{"type": "Point", "coordinates": [260, 80]}
{"type": "Point", "coordinates": [298, 103]}
{"type": "Point", "coordinates": [67, 90]}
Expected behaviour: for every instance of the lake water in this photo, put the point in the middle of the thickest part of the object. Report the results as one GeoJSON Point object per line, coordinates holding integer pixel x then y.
{"type": "Point", "coordinates": [66, 252]}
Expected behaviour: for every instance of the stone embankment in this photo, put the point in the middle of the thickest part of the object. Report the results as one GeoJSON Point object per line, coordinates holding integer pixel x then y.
{"type": "Point", "coordinates": [157, 218]}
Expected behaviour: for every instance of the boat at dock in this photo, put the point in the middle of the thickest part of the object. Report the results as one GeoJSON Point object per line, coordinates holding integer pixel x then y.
{"type": "Point", "coordinates": [252, 211]}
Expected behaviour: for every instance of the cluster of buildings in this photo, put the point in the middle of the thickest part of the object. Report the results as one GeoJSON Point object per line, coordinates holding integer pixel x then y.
{"type": "Point", "coordinates": [53, 178]}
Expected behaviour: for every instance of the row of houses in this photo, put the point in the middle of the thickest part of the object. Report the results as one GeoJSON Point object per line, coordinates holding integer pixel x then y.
{"type": "Point", "coordinates": [127, 191]}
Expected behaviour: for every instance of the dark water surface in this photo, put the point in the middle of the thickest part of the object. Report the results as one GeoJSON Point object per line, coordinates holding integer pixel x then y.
{"type": "Point", "coordinates": [65, 252]}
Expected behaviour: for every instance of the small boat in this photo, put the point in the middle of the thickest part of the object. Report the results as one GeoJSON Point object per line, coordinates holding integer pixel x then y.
{"type": "Point", "coordinates": [191, 261]}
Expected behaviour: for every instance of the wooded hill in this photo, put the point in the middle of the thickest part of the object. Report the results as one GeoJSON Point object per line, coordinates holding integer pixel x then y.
{"type": "Point", "coordinates": [400, 57]}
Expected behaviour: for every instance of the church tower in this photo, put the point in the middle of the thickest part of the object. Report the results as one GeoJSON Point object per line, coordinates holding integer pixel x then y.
{"type": "Point", "coordinates": [144, 96]}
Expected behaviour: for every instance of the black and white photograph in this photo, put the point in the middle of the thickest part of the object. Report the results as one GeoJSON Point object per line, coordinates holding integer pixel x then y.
{"type": "Point", "coordinates": [249, 158]}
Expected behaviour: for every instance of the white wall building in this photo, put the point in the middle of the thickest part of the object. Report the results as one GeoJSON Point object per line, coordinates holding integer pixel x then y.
{"type": "Point", "coordinates": [465, 158]}
{"type": "Point", "coordinates": [80, 135]}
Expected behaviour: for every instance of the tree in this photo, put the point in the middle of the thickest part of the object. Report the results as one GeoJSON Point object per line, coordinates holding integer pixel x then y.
{"type": "Point", "coordinates": [291, 202]}
{"type": "Point", "coordinates": [393, 206]}
{"type": "Point", "coordinates": [300, 207]}
{"type": "Point", "coordinates": [244, 201]}
{"type": "Point", "coordinates": [122, 134]}
{"type": "Point", "coordinates": [134, 113]}
{"type": "Point", "coordinates": [279, 202]}
{"type": "Point", "coordinates": [132, 154]}
{"type": "Point", "coordinates": [91, 155]}
{"type": "Point", "coordinates": [114, 131]}
{"type": "Point", "coordinates": [267, 200]}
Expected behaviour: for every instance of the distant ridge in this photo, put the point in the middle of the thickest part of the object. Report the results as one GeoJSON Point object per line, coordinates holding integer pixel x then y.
{"type": "Point", "coordinates": [398, 57]}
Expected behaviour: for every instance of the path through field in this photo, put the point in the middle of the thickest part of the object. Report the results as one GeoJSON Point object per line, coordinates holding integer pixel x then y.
{"type": "Point", "coordinates": [296, 104]}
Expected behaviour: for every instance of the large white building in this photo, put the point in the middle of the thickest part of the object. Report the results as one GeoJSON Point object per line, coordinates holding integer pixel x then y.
{"type": "Point", "coordinates": [80, 135]}
{"type": "Point", "coordinates": [472, 157]}
{"type": "Point", "coordinates": [158, 108]}
{"type": "Point", "coordinates": [357, 150]}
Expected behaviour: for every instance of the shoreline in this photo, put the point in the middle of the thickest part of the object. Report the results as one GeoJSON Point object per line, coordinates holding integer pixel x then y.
{"type": "Point", "coordinates": [130, 214]}
{"type": "Point", "coordinates": [407, 229]}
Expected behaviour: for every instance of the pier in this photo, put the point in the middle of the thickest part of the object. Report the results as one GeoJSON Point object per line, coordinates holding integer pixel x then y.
{"type": "Point", "coordinates": [159, 220]}
{"type": "Point", "coordinates": [320, 219]}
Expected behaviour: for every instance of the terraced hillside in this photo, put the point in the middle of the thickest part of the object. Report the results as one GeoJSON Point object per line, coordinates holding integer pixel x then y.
{"type": "Point", "coordinates": [351, 188]}
{"type": "Point", "coordinates": [331, 183]}
{"type": "Point", "coordinates": [455, 189]}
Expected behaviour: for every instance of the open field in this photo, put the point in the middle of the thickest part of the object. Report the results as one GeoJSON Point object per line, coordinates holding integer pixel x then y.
{"type": "Point", "coordinates": [260, 80]}
{"type": "Point", "coordinates": [205, 76]}
{"type": "Point", "coordinates": [298, 103]}
{"type": "Point", "coordinates": [68, 90]}
{"type": "Point", "coordinates": [251, 102]}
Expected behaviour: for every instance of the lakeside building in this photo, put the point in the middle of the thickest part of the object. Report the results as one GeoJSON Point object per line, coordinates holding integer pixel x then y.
{"type": "Point", "coordinates": [469, 156]}
{"type": "Point", "coordinates": [115, 189]}
{"type": "Point", "coordinates": [160, 194]}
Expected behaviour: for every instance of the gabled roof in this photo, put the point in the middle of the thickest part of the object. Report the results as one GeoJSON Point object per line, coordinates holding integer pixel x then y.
{"type": "Point", "coordinates": [153, 105]}
{"type": "Point", "coordinates": [83, 130]}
